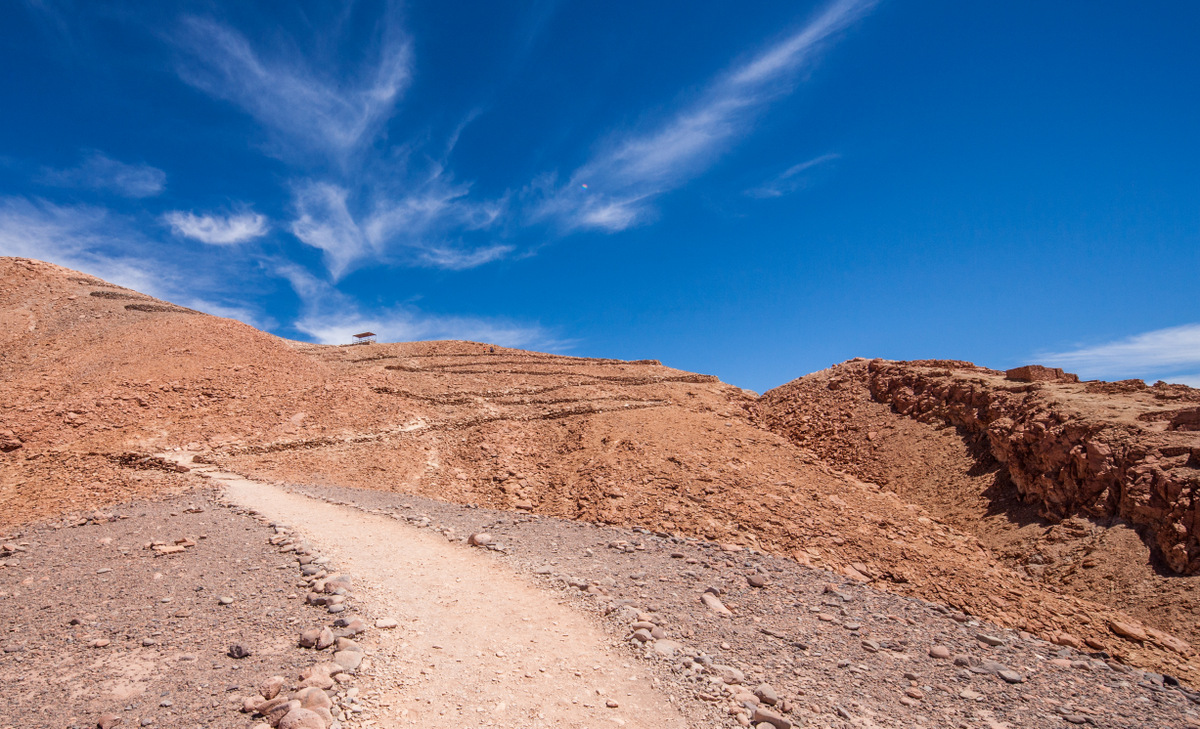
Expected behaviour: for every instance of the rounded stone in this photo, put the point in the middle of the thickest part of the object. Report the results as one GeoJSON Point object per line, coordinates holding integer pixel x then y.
{"type": "Point", "coordinates": [299, 718]}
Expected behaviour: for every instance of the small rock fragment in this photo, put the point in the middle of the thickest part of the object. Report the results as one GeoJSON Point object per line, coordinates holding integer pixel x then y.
{"type": "Point", "coordinates": [109, 720]}
{"type": "Point", "coordinates": [712, 602]}
{"type": "Point", "coordinates": [768, 716]}
{"type": "Point", "coordinates": [766, 694]}
{"type": "Point", "coordinates": [345, 644]}
{"type": "Point", "coordinates": [271, 687]}
{"type": "Point", "coordinates": [1128, 631]}
{"type": "Point", "coordinates": [349, 660]}
{"type": "Point", "coordinates": [274, 709]}
{"type": "Point", "coordinates": [237, 650]}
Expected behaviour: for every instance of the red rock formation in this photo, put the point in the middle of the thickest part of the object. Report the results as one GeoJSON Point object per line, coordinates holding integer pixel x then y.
{"type": "Point", "coordinates": [1064, 457]}
{"type": "Point", "coordinates": [1038, 373]}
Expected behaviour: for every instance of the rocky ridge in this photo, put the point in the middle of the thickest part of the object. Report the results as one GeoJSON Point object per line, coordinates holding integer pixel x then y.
{"type": "Point", "coordinates": [961, 440]}
{"type": "Point", "coordinates": [1070, 459]}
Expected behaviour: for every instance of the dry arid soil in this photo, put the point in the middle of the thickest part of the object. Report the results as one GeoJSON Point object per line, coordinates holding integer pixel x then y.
{"type": "Point", "coordinates": [1055, 516]}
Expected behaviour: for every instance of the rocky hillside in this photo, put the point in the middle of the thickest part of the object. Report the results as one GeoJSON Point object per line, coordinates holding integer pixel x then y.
{"type": "Point", "coordinates": [97, 380]}
{"type": "Point", "coordinates": [1086, 487]}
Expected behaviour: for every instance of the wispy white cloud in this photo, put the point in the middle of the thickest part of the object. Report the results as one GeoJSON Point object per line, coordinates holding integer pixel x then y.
{"type": "Point", "coordinates": [100, 172]}
{"type": "Point", "coordinates": [419, 226]}
{"type": "Point", "coordinates": [218, 230]}
{"type": "Point", "coordinates": [310, 108]}
{"type": "Point", "coordinates": [613, 190]}
{"type": "Point", "coordinates": [82, 237]}
{"type": "Point", "coordinates": [790, 180]}
{"type": "Point", "coordinates": [323, 221]}
{"type": "Point", "coordinates": [459, 260]}
{"type": "Point", "coordinates": [1191, 380]}
{"type": "Point", "coordinates": [114, 248]}
{"type": "Point", "coordinates": [1171, 350]}
{"type": "Point", "coordinates": [330, 317]}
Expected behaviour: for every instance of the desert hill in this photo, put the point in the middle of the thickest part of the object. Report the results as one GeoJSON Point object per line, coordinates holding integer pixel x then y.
{"type": "Point", "coordinates": [1087, 487]}
{"type": "Point", "coordinates": [96, 380]}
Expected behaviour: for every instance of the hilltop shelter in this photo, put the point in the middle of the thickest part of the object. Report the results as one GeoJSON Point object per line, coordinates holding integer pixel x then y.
{"type": "Point", "coordinates": [364, 338]}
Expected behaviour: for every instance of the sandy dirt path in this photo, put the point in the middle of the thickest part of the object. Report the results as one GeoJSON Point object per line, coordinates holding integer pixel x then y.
{"type": "Point", "coordinates": [478, 645]}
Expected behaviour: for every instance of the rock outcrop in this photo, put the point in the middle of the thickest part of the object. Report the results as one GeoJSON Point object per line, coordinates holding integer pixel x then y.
{"type": "Point", "coordinates": [1065, 456]}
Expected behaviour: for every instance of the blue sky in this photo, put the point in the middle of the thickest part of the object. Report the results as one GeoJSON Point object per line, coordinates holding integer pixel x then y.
{"type": "Point", "coordinates": [752, 190]}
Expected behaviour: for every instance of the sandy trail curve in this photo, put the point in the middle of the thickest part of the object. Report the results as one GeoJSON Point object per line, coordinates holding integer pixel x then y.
{"type": "Point", "coordinates": [478, 645]}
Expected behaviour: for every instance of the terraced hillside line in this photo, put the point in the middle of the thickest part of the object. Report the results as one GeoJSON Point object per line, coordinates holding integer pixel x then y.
{"type": "Point", "coordinates": [497, 397]}
{"type": "Point", "coordinates": [477, 644]}
{"type": "Point", "coordinates": [620, 379]}
{"type": "Point", "coordinates": [306, 443]}
{"type": "Point", "coordinates": [483, 356]}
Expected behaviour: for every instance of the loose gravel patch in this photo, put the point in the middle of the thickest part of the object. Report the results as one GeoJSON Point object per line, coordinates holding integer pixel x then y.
{"type": "Point", "coordinates": [800, 646]}
{"type": "Point", "coordinates": [116, 617]}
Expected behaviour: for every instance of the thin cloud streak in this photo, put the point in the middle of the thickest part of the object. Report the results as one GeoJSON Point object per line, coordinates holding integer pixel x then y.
{"type": "Point", "coordinates": [630, 172]}
{"type": "Point", "coordinates": [460, 260]}
{"type": "Point", "coordinates": [217, 230]}
{"type": "Point", "coordinates": [788, 181]}
{"type": "Point", "coordinates": [101, 172]}
{"type": "Point", "coordinates": [1175, 349]}
{"type": "Point", "coordinates": [310, 111]}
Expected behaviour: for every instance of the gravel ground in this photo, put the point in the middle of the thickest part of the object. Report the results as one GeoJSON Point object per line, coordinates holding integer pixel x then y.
{"type": "Point", "coordinates": [68, 589]}
{"type": "Point", "coordinates": [838, 653]}
{"type": "Point", "coordinates": [828, 652]}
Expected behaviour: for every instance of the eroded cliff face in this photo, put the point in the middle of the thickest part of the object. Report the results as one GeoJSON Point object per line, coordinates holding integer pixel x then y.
{"type": "Point", "coordinates": [1104, 449]}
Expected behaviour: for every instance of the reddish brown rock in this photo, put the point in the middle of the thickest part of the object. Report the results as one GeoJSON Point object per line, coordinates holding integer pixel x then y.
{"type": "Point", "coordinates": [1038, 373]}
{"type": "Point", "coordinates": [712, 602]}
{"type": "Point", "coordinates": [1128, 631]}
{"type": "Point", "coordinates": [313, 697]}
{"type": "Point", "coordinates": [271, 687]}
{"type": "Point", "coordinates": [299, 718]}
{"type": "Point", "coordinates": [276, 708]}
{"type": "Point", "coordinates": [1187, 420]}
{"type": "Point", "coordinates": [9, 441]}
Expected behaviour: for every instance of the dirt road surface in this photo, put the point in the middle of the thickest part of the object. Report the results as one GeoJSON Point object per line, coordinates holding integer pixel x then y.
{"type": "Point", "coordinates": [476, 644]}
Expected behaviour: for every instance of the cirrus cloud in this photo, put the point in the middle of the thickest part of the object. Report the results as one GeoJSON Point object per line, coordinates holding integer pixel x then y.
{"type": "Point", "coordinates": [217, 230]}
{"type": "Point", "coordinates": [1170, 352]}
{"type": "Point", "coordinates": [101, 172]}
{"type": "Point", "coordinates": [613, 190]}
